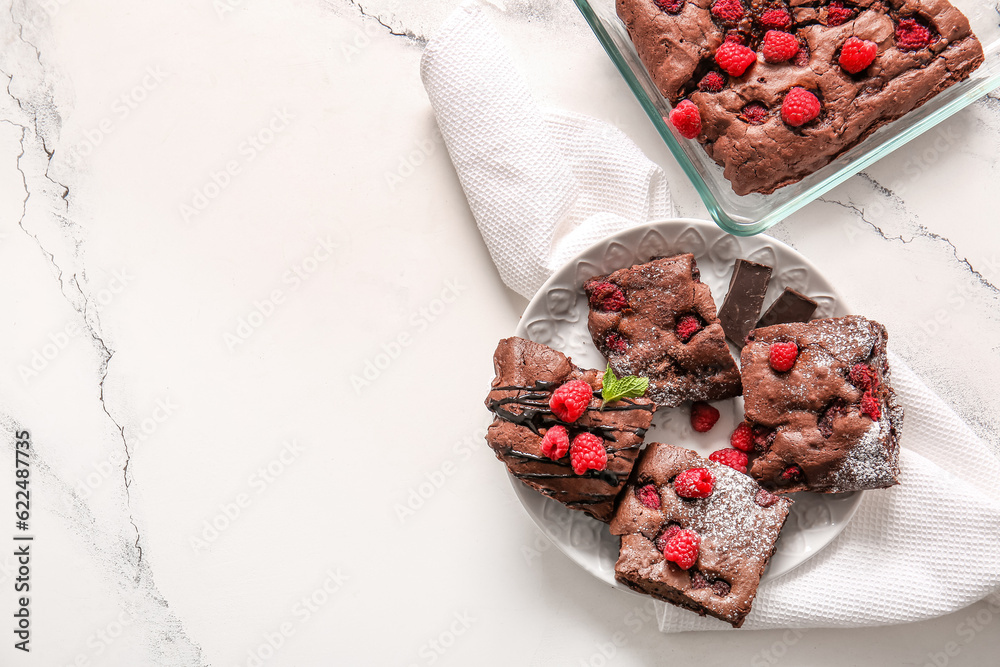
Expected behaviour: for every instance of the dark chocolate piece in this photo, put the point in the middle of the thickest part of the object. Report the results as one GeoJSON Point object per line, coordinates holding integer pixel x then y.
{"type": "Point", "coordinates": [526, 375]}
{"type": "Point", "coordinates": [741, 119]}
{"type": "Point", "coordinates": [738, 526]}
{"type": "Point", "coordinates": [657, 320]}
{"type": "Point", "coordinates": [831, 423]}
{"type": "Point", "coordinates": [742, 307]}
{"type": "Point", "coordinates": [791, 306]}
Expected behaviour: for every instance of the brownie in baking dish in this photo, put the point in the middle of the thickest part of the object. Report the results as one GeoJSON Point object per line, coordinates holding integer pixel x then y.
{"type": "Point", "coordinates": [527, 376]}
{"type": "Point", "coordinates": [676, 497]}
{"type": "Point", "coordinates": [657, 320]}
{"type": "Point", "coordinates": [830, 422]}
{"type": "Point", "coordinates": [782, 89]}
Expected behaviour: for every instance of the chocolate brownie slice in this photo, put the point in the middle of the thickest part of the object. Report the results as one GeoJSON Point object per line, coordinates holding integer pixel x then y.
{"type": "Point", "coordinates": [527, 374]}
{"type": "Point", "coordinates": [737, 525]}
{"type": "Point", "coordinates": [657, 320]}
{"type": "Point", "coordinates": [901, 53]}
{"type": "Point", "coordinates": [831, 422]}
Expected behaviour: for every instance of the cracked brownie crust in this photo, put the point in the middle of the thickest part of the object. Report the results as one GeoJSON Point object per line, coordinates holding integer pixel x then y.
{"type": "Point", "coordinates": [637, 320]}
{"type": "Point", "coordinates": [828, 424]}
{"type": "Point", "coordinates": [527, 373]}
{"type": "Point", "coordinates": [738, 525]}
{"type": "Point", "coordinates": [742, 125]}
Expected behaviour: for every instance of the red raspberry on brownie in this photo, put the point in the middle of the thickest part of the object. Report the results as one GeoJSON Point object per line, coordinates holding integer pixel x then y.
{"type": "Point", "coordinates": [703, 416]}
{"type": "Point", "coordinates": [754, 113]}
{"type": "Point", "coordinates": [587, 453]}
{"type": "Point", "coordinates": [733, 458]}
{"type": "Point", "coordinates": [687, 119]}
{"type": "Point", "coordinates": [694, 483]}
{"type": "Point", "coordinates": [682, 548]}
{"type": "Point", "coordinates": [792, 474]}
{"type": "Point", "coordinates": [727, 11]}
{"type": "Point", "coordinates": [742, 438]}
{"type": "Point", "coordinates": [616, 343]}
{"type": "Point", "coordinates": [734, 59]}
{"type": "Point", "coordinates": [799, 107]}
{"type": "Point", "coordinates": [775, 19]}
{"type": "Point", "coordinates": [911, 36]}
{"type": "Point", "coordinates": [782, 356]}
{"type": "Point", "coordinates": [711, 83]}
{"type": "Point", "coordinates": [838, 14]}
{"type": "Point", "coordinates": [863, 377]}
{"type": "Point", "coordinates": [605, 296]}
{"type": "Point", "coordinates": [779, 46]}
{"type": "Point", "coordinates": [570, 400]}
{"type": "Point", "coordinates": [870, 406]}
{"type": "Point", "coordinates": [687, 326]}
{"type": "Point", "coordinates": [670, 6]}
{"type": "Point", "coordinates": [649, 496]}
{"type": "Point", "coordinates": [555, 444]}
{"type": "Point", "coordinates": [857, 54]}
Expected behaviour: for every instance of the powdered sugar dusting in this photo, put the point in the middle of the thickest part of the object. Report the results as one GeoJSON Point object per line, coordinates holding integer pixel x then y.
{"type": "Point", "coordinates": [731, 518]}
{"type": "Point", "coordinates": [867, 465]}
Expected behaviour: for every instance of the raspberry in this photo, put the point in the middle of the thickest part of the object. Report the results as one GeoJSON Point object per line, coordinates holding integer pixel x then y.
{"type": "Point", "coordinates": [782, 356]}
{"type": "Point", "coordinates": [570, 401]}
{"type": "Point", "coordinates": [857, 54]}
{"type": "Point", "coordinates": [801, 58]}
{"type": "Point", "coordinates": [721, 588]}
{"type": "Point", "coordinates": [670, 6]}
{"type": "Point", "coordinates": [694, 483]}
{"type": "Point", "coordinates": [727, 11]}
{"type": "Point", "coordinates": [911, 36]}
{"type": "Point", "coordinates": [765, 498]}
{"type": "Point", "coordinates": [775, 19]}
{"type": "Point", "coordinates": [779, 46]}
{"type": "Point", "coordinates": [791, 474]}
{"type": "Point", "coordinates": [870, 406]}
{"type": "Point", "coordinates": [863, 376]}
{"type": "Point", "coordinates": [763, 437]}
{"type": "Point", "coordinates": [667, 535]}
{"type": "Point", "coordinates": [555, 444]}
{"type": "Point", "coordinates": [734, 59]}
{"type": "Point", "coordinates": [649, 496]}
{"type": "Point", "coordinates": [615, 343]}
{"type": "Point", "coordinates": [742, 438]}
{"type": "Point", "coordinates": [605, 296]}
{"type": "Point", "coordinates": [736, 37]}
{"type": "Point", "coordinates": [687, 326]}
{"type": "Point", "coordinates": [754, 113]}
{"type": "Point", "coordinates": [698, 580]}
{"type": "Point", "coordinates": [733, 458]}
{"type": "Point", "coordinates": [587, 453]}
{"type": "Point", "coordinates": [682, 548]}
{"type": "Point", "coordinates": [711, 83]}
{"type": "Point", "coordinates": [687, 119]}
{"type": "Point", "coordinates": [703, 416]}
{"type": "Point", "coordinates": [838, 14]}
{"type": "Point", "coordinates": [799, 107]}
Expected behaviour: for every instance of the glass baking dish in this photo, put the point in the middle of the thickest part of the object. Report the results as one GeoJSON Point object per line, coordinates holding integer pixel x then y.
{"type": "Point", "coordinates": [752, 214]}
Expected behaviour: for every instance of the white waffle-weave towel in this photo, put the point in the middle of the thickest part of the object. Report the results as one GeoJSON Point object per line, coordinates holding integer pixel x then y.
{"type": "Point", "coordinates": [543, 186]}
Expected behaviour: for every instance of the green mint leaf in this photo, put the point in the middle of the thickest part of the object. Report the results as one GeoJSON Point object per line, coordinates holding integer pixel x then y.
{"type": "Point", "coordinates": [629, 386]}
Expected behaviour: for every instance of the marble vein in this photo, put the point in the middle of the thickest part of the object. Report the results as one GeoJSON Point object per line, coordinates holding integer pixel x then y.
{"type": "Point", "coordinates": [37, 134]}
{"type": "Point", "coordinates": [406, 33]}
{"type": "Point", "coordinates": [921, 231]}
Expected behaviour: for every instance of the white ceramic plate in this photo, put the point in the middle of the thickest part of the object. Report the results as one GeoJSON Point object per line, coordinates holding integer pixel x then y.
{"type": "Point", "coordinates": [557, 317]}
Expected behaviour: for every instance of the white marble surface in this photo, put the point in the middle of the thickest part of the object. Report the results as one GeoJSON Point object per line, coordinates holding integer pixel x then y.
{"type": "Point", "coordinates": [215, 214]}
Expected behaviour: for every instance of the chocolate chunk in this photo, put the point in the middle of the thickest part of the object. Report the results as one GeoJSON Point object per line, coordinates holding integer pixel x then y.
{"type": "Point", "coordinates": [791, 306]}
{"type": "Point", "coordinates": [742, 307]}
